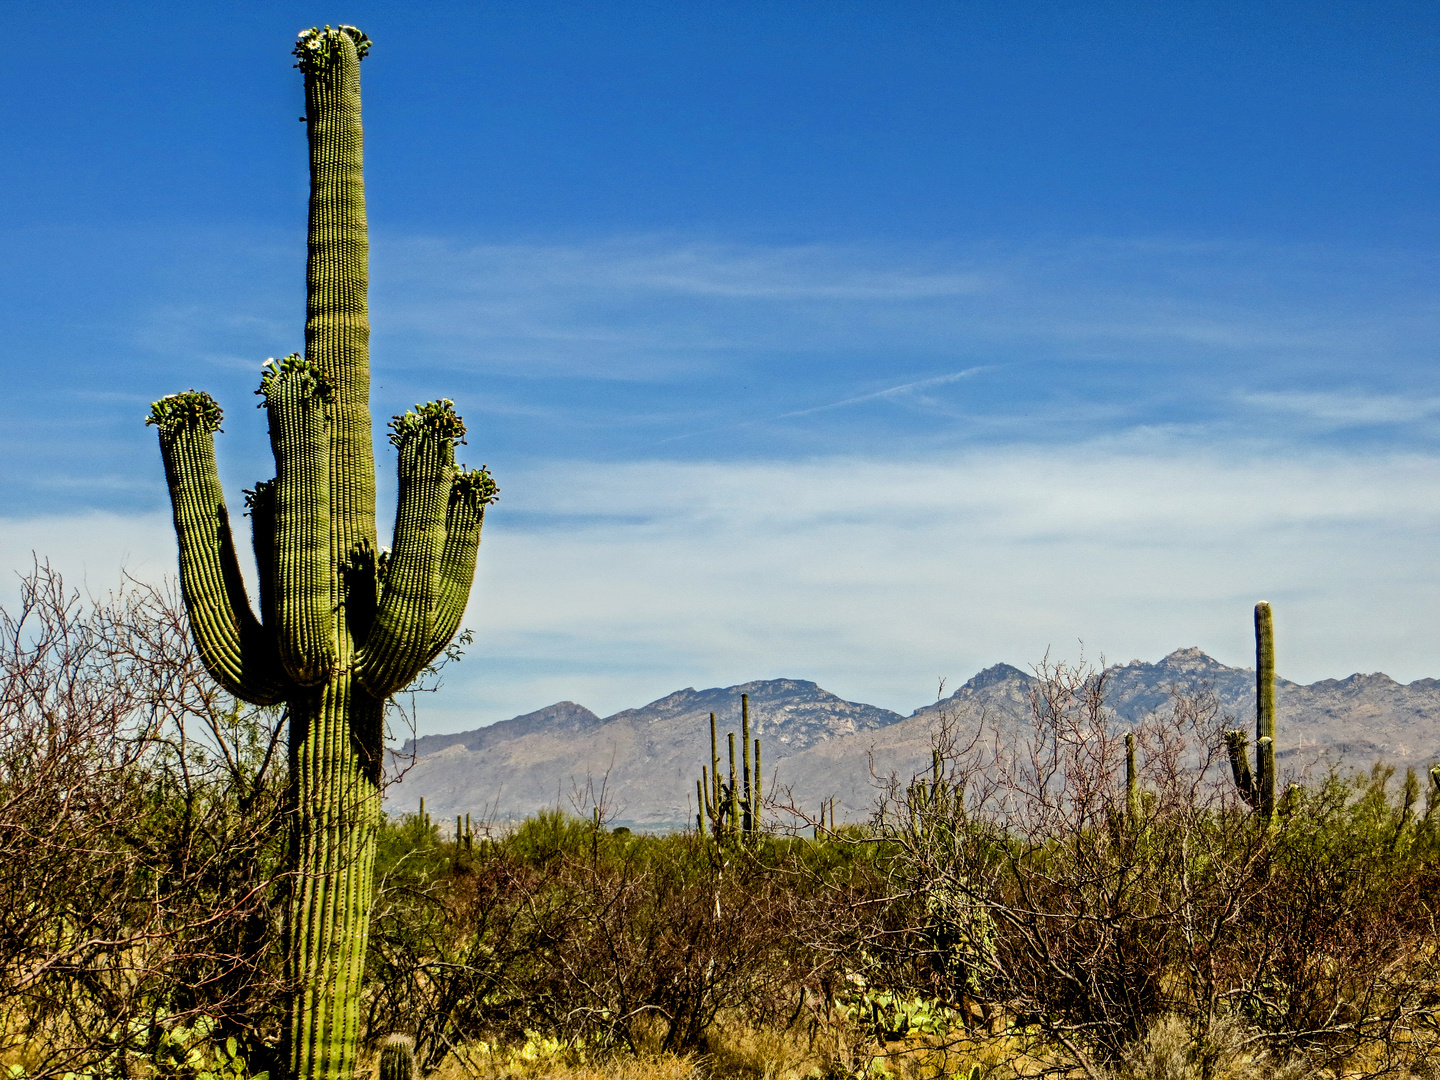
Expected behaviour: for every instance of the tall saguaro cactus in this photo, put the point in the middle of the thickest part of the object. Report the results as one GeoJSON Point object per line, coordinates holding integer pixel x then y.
{"type": "Point", "coordinates": [342, 624]}
{"type": "Point", "coordinates": [1258, 788]}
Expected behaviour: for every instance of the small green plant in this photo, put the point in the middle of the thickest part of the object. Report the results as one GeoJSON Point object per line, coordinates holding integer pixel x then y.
{"type": "Point", "coordinates": [189, 1051]}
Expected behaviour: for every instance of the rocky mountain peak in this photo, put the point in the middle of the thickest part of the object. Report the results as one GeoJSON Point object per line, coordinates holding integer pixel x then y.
{"type": "Point", "coordinates": [1191, 661]}
{"type": "Point", "coordinates": [992, 676]}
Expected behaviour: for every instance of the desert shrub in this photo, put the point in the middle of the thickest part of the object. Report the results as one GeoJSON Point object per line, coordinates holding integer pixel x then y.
{"type": "Point", "coordinates": [139, 820]}
{"type": "Point", "coordinates": [1033, 883]}
{"type": "Point", "coordinates": [594, 937]}
{"type": "Point", "coordinates": [1025, 890]}
{"type": "Point", "coordinates": [1337, 950]}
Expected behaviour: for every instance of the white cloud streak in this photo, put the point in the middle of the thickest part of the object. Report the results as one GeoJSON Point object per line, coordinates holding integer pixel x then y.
{"type": "Point", "coordinates": [1354, 408]}
{"type": "Point", "coordinates": [614, 584]}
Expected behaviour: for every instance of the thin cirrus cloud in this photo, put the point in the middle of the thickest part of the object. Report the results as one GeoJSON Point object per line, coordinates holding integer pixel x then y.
{"type": "Point", "coordinates": [1350, 408]}
{"type": "Point", "coordinates": [613, 584]}
{"type": "Point", "coordinates": [628, 347]}
{"type": "Point", "coordinates": [652, 308]}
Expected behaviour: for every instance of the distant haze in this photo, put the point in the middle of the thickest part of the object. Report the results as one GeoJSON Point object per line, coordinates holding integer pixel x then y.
{"type": "Point", "coordinates": [817, 746]}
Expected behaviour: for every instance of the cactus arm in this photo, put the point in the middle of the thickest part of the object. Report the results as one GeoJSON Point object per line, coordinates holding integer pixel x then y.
{"type": "Point", "coordinates": [1235, 745]}
{"type": "Point", "coordinates": [398, 645]}
{"type": "Point", "coordinates": [1264, 711]}
{"type": "Point", "coordinates": [295, 393]}
{"type": "Point", "coordinates": [232, 644]}
{"type": "Point", "coordinates": [472, 491]}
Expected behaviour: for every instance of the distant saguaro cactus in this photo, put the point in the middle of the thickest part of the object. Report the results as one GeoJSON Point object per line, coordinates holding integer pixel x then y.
{"type": "Point", "coordinates": [1132, 780]}
{"type": "Point", "coordinates": [747, 799]}
{"type": "Point", "coordinates": [342, 625]}
{"type": "Point", "coordinates": [1258, 788]}
{"type": "Point", "coordinates": [731, 810]}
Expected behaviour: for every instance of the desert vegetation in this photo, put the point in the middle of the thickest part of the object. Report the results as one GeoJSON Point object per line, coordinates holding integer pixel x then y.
{"type": "Point", "coordinates": [1085, 901]}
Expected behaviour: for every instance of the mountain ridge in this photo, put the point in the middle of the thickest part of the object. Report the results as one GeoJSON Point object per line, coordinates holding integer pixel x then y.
{"type": "Point", "coordinates": [646, 759]}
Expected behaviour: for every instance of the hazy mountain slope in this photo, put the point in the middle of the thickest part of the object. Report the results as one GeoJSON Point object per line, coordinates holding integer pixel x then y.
{"type": "Point", "coordinates": [564, 717]}
{"type": "Point", "coordinates": [819, 746]}
{"type": "Point", "coordinates": [647, 759]}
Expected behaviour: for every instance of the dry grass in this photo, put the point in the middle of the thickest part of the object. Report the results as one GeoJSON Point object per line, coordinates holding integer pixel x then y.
{"type": "Point", "coordinates": [1169, 1051]}
{"type": "Point", "coordinates": [736, 1052]}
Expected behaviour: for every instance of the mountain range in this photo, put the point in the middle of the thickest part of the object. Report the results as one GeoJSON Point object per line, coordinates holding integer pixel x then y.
{"type": "Point", "coordinates": [818, 746]}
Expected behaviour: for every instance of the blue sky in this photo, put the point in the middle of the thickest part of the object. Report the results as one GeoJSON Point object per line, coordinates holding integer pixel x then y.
{"type": "Point", "coordinates": [865, 342]}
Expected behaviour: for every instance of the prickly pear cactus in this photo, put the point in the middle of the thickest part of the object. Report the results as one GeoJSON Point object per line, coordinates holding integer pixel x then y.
{"type": "Point", "coordinates": [342, 624]}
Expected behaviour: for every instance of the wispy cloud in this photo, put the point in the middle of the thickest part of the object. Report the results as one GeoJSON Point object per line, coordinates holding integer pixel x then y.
{"type": "Point", "coordinates": [1129, 299]}
{"type": "Point", "coordinates": [1355, 407]}
{"type": "Point", "coordinates": [622, 348]}
{"type": "Point", "coordinates": [908, 393]}
{"type": "Point", "coordinates": [613, 584]}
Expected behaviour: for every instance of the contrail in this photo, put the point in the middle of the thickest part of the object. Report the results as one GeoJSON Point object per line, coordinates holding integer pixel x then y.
{"type": "Point", "coordinates": [918, 384]}
{"type": "Point", "coordinates": [937, 380]}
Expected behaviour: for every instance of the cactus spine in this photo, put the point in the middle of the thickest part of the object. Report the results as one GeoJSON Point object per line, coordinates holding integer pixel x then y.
{"type": "Point", "coordinates": [1258, 788]}
{"type": "Point", "coordinates": [341, 627]}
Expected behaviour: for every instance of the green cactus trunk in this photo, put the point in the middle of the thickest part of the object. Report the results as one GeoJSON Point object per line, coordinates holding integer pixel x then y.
{"type": "Point", "coordinates": [716, 784]}
{"type": "Point", "coordinates": [1132, 780]}
{"type": "Point", "coordinates": [747, 801]}
{"type": "Point", "coordinates": [757, 798]}
{"type": "Point", "coordinates": [1265, 711]}
{"type": "Point", "coordinates": [340, 629]}
{"type": "Point", "coordinates": [732, 810]}
{"type": "Point", "coordinates": [1258, 788]}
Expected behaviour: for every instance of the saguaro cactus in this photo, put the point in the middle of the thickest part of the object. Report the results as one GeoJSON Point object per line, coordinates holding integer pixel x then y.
{"type": "Point", "coordinates": [747, 798]}
{"type": "Point", "coordinates": [732, 810]}
{"type": "Point", "coordinates": [1132, 780]}
{"type": "Point", "coordinates": [397, 1058]}
{"type": "Point", "coordinates": [1258, 788]}
{"type": "Point", "coordinates": [342, 625]}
